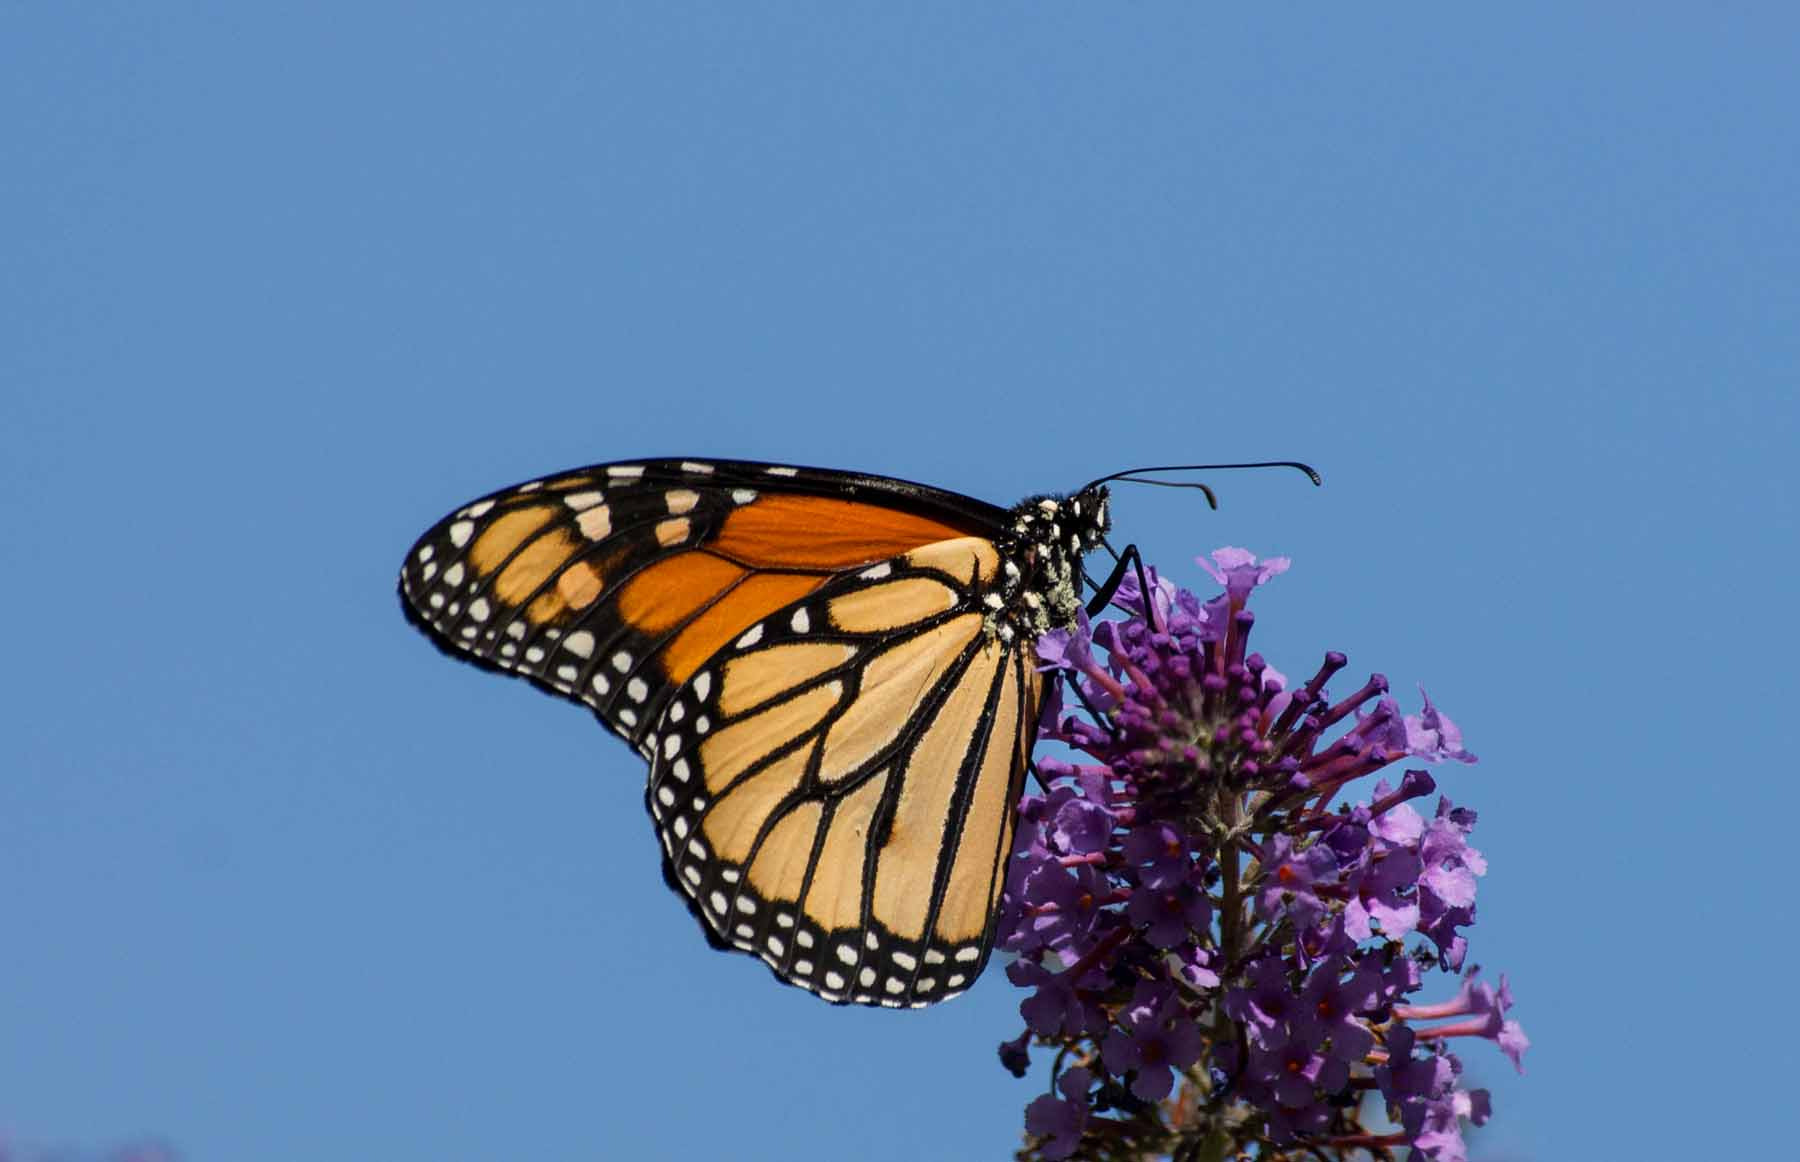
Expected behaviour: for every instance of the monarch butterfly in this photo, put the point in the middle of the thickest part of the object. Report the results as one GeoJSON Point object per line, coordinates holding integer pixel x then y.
{"type": "Point", "coordinates": [831, 675]}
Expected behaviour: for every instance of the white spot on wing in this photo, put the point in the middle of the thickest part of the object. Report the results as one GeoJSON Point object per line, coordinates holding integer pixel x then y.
{"type": "Point", "coordinates": [637, 689]}
{"type": "Point", "coordinates": [624, 471]}
{"type": "Point", "coordinates": [695, 466]}
{"type": "Point", "coordinates": [742, 495]}
{"type": "Point", "coordinates": [460, 532]}
{"type": "Point", "coordinates": [702, 684]}
{"type": "Point", "coordinates": [595, 523]}
{"type": "Point", "coordinates": [800, 622]}
{"type": "Point", "coordinates": [454, 574]}
{"type": "Point", "coordinates": [750, 636]}
{"type": "Point", "coordinates": [583, 500]}
{"type": "Point", "coordinates": [681, 500]}
{"type": "Point", "coordinates": [782, 471]}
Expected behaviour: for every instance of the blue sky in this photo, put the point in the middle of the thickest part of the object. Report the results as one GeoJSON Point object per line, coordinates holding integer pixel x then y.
{"type": "Point", "coordinates": [284, 283]}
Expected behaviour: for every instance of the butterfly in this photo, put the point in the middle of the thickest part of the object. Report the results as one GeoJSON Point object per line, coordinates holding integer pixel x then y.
{"type": "Point", "coordinates": [832, 676]}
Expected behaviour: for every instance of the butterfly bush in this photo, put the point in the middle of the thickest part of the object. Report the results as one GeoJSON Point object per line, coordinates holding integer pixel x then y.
{"type": "Point", "coordinates": [1225, 949]}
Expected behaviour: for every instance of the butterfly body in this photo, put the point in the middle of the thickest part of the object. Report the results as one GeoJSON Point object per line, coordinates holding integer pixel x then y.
{"type": "Point", "coordinates": [832, 676]}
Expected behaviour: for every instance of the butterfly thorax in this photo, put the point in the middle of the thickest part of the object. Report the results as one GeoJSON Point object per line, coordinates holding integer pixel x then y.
{"type": "Point", "coordinates": [1047, 538]}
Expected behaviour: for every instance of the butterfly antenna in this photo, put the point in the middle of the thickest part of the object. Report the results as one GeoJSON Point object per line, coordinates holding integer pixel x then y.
{"type": "Point", "coordinates": [1132, 475]}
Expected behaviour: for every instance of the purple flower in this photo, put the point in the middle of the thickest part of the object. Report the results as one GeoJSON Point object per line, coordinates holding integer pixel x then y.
{"type": "Point", "coordinates": [1227, 951]}
{"type": "Point", "coordinates": [1056, 1009]}
{"type": "Point", "coordinates": [1065, 906]}
{"type": "Point", "coordinates": [1015, 1055]}
{"type": "Point", "coordinates": [1333, 1004]}
{"type": "Point", "coordinates": [1433, 737]}
{"type": "Point", "coordinates": [1061, 1120]}
{"type": "Point", "coordinates": [1291, 1065]}
{"type": "Point", "coordinates": [1238, 571]}
{"type": "Point", "coordinates": [1267, 1002]}
{"type": "Point", "coordinates": [1159, 855]}
{"type": "Point", "coordinates": [1169, 915]}
{"type": "Point", "coordinates": [1081, 827]}
{"type": "Point", "coordinates": [1447, 884]}
{"type": "Point", "coordinates": [1154, 1041]}
{"type": "Point", "coordinates": [1483, 1009]}
{"type": "Point", "coordinates": [1288, 878]}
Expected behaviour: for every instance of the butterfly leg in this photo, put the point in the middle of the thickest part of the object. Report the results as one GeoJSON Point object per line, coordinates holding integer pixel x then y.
{"type": "Point", "coordinates": [1129, 559]}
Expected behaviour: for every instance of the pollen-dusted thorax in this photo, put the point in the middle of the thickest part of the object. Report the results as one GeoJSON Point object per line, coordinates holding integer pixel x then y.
{"type": "Point", "coordinates": [1048, 537]}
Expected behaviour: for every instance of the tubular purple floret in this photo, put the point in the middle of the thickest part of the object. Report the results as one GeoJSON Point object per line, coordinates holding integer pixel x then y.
{"type": "Point", "coordinates": [1375, 687]}
{"type": "Point", "coordinates": [1337, 749]}
{"type": "Point", "coordinates": [1413, 784]}
{"type": "Point", "coordinates": [1241, 623]}
{"type": "Point", "coordinates": [1300, 742]}
{"type": "Point", "coordinates": [1334, 661]}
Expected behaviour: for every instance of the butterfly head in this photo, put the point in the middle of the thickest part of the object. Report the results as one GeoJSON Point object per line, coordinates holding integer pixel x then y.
{"type": "Point", "coordinates": [1049, 537]}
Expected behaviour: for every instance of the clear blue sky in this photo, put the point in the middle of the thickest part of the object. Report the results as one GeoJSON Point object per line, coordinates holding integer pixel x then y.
{"type": "Point", "coordinates": [282, 283]}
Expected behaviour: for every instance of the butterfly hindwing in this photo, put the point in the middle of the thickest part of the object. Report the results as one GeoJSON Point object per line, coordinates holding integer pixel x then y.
{"type": "Point", "coordinates": [835, 794]}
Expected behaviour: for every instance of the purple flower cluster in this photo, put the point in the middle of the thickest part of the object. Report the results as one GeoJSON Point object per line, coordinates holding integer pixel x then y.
{"type": "Point", "coordinates": [1218, 947]}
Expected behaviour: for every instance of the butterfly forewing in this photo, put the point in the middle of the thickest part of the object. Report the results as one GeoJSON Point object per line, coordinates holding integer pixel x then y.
{"type": "Point", "coordinates": [610, 585]}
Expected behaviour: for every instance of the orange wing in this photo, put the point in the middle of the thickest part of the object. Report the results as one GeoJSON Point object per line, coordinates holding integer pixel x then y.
{"type": "Point", "coordinates": [612, 585]}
